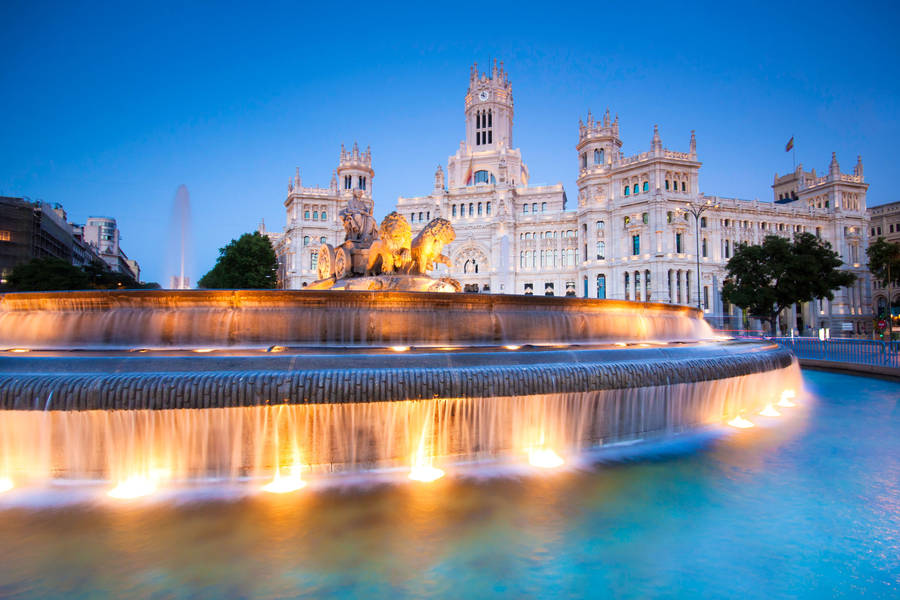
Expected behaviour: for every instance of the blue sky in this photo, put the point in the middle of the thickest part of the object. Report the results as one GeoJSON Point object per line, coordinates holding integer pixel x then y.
{"type": "Point", "coordinates": [107, 109]}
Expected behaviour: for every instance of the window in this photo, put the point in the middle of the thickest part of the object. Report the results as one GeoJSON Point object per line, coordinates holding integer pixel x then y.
{"type": "Point", "coordinates": [645, 217]}
{"type": "Point", "coordinates": [322, 240]}
{"type": "Point", "coordinates": [646, 186]}
{"type": "Point", "coordinates": [637, 286]}
{"type": "Point", "coordinates": [487, 207]}
{"type": "Point", "coordinates": [704, 248]}
{"type": "Point", "coordinates": [548, 288]}
{"type": "Point", "coordinates": [667, 185]}
{"type": "Point", "coordinates": [306, 240]}
{"type": "Point", "coordinates": [626, 190]}
{"type": "Point", "coordinates": [5, 235]}
{"type": "Point", "coordinates": [322, 215]}
{"type": "Point", "coordinates": [635, 245]}
{"type": "Point", "coordinates": [678, 243]}
{"type": "Point", "coordinates": [601, 251]}
{"type": "Point", "coordinates": [601, 286]}
{"type": "Point", "coordinates": [647, 285]}
{"type": "Point", "coordinates": [471, 209]}
{"type": "Point", "coordinates": [703, 222]}
{"type": "Point", "coordinates": [521, 260]}
{"type": "Point", "coordinates": [454, 210]}
{"type": "Point", "coordinates": [683, 186]}
{"type": "Point", "coordinates": [483, 177]}
{"type": "Point", "coordinates": [306, 215]}
{"type": "Point", "coordinates": [597, 157]}
{"type": "Point", "coordinates": [362, 183]}
{"type": "Point", "coordinates": [600, 225]}
{"type": "Point", "coordinates": [348, 182]}
{"type": "Point", "coordinates": [315, 216]}
{"type": "Point", "coordinates": [543, 206]}
{"type": "Point", "coordinates": [524, 209]}
{"type": "Point", "coordinates": [627, 290]}
{"type": "Point", "coordinates": [727, 249]}
{"type": "Point", "coordinates": [420, 216]}
{"type": "Point", "coordinates": [706, 297]}
{"type": "Point", "coordinates": [412, 217]}
{"type": "Point", "coordinates": [528, 289]}
{"type": "Point", "coordinates": [314, 259]}
{"type": "Point", "coordinates": [479, 209]}
{"type": "Point", "coordinates": [634, 190]}
{"type": "Point", "coordinates": [584, 160]}
{"type": "Point", "coordinates": [534, 207]}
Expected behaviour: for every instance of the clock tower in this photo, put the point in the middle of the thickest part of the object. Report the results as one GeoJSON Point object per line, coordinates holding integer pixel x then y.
{"type": "Point", "coordinates": [489, 110]}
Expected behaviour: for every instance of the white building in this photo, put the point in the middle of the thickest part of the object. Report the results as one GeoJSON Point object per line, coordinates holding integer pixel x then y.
{"type": "Point", "coordinates": [629, 237]}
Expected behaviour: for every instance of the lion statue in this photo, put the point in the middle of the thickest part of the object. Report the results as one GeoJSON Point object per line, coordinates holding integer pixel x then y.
{"type": "Point", "coordinates": [390, 252]}
{"type": "Point", "coordinates": [426, 247]}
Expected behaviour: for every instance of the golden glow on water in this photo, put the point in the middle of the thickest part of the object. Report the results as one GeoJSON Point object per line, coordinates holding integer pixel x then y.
{"type": "Point", "coordinates": [769, 411]}
{"type": "Point", "coordinates": [740, 422]}
{"type": "Point", "coordinates": [19, 350]}
{"type": "Point", "coordinates": [399, 348]}
{"type": "Point", "coordinates": [512, 347]}
{"type": "Point", "coordinates": [6, 484]}
{"type": "Point", "coordinates": [786, 401]}
{"type": "Point", "coordinates": [204, 350]}
{"type": "Point", "coordinates": [135, 486]}
{"type": "Point", "coordinates": [425, 473]}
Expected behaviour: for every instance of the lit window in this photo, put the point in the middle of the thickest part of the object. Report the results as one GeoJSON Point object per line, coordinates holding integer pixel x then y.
{"type": "Point", "coordinates": [601, 251]}
{"type": "Point", "coordinates": [306, 240]}
{"type": "Point", "coordinates": [5, 235]}
{"type": "Point", "coordinates": [479, 209]}
{"type": "Point", "coordinates": [322, 240]}
{"type": "Point", "coordinates": [601, 286]}
{"type": "Point", "coordinates": [313, 259]}
{"type": "Point", "coordinates": [667, 185]}
{"type": "Point", "coordinates": [306, 215]}
{"type": "Point", "coordinates": [471, 209]}
{"type": "Point", "coordinates": [683, 186]}
{"type": "Point", "coordinates": [627, 190]}
{"type": "Point", "coordinates": [635, 245]}
{"type": "Point", "coordinates": [635, 189]}
{"type": "Point", "coordinates": [646, 186]}
{"type": "Point", "coordinates": [322, 215]}
{"type": "Point", "coordinates": [645, 217]}
{"type": "Point", "coordinates": [487, 207]}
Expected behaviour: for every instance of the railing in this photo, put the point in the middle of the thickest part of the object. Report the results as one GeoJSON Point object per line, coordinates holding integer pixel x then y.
{"type": "Point", "coordinates": [864, 352]}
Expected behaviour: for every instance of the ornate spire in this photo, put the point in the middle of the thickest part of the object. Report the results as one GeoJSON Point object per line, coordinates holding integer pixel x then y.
{"type": "Point", "coordinates": [297, 177]}
{"type": "Point", "coordinates": [834, 168]}
{"type": "Point", "coordinates": [693, 148]}
{"type": "Point", "coordinates": [656, 142]}
{"type": "Point", "coordinates": [590, 121]}
{"type": "Point", "coordinates": [606, 118]}
{"type": "Point", "coordinates": [858, 169]}
{"type": "Point", "coordinates": [439, 178]}
{"type": "Point", "coordinates": [334, 184]}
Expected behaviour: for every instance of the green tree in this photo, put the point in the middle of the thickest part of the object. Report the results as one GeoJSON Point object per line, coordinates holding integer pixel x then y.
{"type": "Point", "coordinates": [248, 262]}
{"type": "Point", "coordinates": [884, 264]}
{"type": "Point", "coordinates": [47, 274]}
{"type": "Point", "coordinates": [767, 278]}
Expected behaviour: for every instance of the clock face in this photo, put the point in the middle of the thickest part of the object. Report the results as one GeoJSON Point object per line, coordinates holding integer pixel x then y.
{"type": "Point", "coordinates": [483, 95]}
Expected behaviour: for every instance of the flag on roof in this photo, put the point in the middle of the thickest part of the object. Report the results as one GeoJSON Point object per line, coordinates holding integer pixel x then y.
{"type": "Point", "coordinates": [790, 145]}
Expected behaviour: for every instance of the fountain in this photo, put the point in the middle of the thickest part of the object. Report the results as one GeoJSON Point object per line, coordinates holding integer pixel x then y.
{"type": "Point", "coordinates": [179, 244]}
{"type": "Point", "coordinates": [148, 388]}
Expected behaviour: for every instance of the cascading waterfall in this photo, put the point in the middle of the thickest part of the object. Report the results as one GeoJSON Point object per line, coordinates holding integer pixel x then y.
{"type": "Point", "coordinates": [256, 442]}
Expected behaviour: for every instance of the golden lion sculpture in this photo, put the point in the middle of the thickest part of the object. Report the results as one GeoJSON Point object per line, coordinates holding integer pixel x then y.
{"type": "Point", "coordinates": [391, 251]}
{"type": "Point", "coordinates": [426, 247]}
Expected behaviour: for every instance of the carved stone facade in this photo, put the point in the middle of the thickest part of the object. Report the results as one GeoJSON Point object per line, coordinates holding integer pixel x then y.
{"type": "Point", "coordinates": [629, 237]}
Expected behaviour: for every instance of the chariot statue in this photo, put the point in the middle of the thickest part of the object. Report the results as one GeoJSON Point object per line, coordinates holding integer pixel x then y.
{"type": "Point", "coordinates": [386, 256]}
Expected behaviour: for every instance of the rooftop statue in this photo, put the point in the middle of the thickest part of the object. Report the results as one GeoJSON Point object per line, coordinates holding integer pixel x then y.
{"type": "Point", "coordinates": [385, 257]}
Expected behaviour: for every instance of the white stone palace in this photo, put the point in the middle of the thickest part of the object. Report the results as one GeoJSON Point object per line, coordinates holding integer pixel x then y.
{"type": "Point", "coordinates": [631, 235]}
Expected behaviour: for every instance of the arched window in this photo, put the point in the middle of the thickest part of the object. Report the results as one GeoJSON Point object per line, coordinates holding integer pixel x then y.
{"type": "Point", "coordinates": [322, 240]}
{"type": "Point", "coordinates": [601, 251]}
{"type": "Point", "coordinates": [627, 288]}
{"type": "Point", "coordinates": [471, 209]}
{"type": "Point", "coordinates": [600, 225]}
{"type": "Point", "coordinates": [683, 186]}
{"type": "Point", "coordinates": [703, 222]}
{"type": "Point", "coordinates": [647, 286]}
{"type": "Point", "coordinates": [471, 266]}
{"type": "Point", "coordinates": [420, 216]}
{"type": "Point", "coordinates": [306, 240]}
{"type": "Point", "coordinates": [323, 215]}
{"type": "Point", "coordinates": [627, 190]}
{"type": "Point", "coordinates": [479, 209]}
{"type": "Point", "coordinates": [534, 207]}
{"type": "Point", "coordinates": [543, 206]}
{"type": "Point", "coordinates": [315, 216]}
{"type": "Point", "coordinates": [645, 218]}
{"type": "Point", "coordinates": [313, 259]}
{"type": "Point", "coordinates": [634, 190]}
{"type": "Point", "coordinates": [412, 217]}
{"type": "Point", "coordinates": [524, 209]}
{"type": "Point", "coordinates": [637, 286]}
{"type": "Point", "coordinates": [306, 215]}
{"type": "Point", "coordinates": [597, 157]}
{"type": "Point", "coordinates": [601, 286]}
{"type": "Point", "coordinates": [667, 185]}
{"type": "Point", "coordinates": [483, 177]}
{"type": "Point", "coordinates": [705, 251]}
{"type": "Point", "coordinates": [454, 210]}
{"type": "Point", "coordinates": [646, 186]}
{"type": "Point", "coordinates": [487, 208]}
{"type": "Point", "coordinates": [362, 183]}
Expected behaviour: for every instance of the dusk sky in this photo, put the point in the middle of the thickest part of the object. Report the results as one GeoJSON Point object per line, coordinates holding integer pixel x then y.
{"type": "Point", "coordinates": [108, 109]}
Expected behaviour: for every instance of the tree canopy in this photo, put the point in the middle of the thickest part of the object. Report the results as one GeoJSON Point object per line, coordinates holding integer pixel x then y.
{"type": "Point", "coordinates": [765, 279]}
{"type": "Point", "coordinates": [884, 261]}
{"type": "Point", "coordinates": [55, 274]}
{"type": "Point", "coordinates": [248, 262]}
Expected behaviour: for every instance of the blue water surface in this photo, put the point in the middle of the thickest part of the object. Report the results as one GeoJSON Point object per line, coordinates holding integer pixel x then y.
{"type": "Point", "coordinates": [807, 508]}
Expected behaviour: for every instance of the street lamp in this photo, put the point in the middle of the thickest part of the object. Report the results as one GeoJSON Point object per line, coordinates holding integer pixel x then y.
{"type": "Point", "coordinates": [698, 209]}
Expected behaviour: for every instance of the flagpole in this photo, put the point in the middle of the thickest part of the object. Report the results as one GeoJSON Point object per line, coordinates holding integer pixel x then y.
{"type": "Point", "coordinates": [794, 153]}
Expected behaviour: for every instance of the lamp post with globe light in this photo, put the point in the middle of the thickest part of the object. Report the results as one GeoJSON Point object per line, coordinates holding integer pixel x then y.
{"type": "Point", "coordinates": [697, 209]}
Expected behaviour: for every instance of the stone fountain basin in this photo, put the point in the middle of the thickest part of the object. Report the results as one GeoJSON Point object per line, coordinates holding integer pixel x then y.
{"type": "Point", "coordinates": [226, 378]}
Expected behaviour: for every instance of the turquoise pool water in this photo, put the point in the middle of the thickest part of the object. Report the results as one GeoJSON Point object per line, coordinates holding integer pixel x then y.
{"type": "Point", "coordinates": [806, 508]}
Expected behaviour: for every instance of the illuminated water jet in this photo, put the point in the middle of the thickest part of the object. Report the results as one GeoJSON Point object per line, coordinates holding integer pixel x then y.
{"type": "Point", "coordinates": [786, 401]}
{"type": "Point", "coordinates": [544, 458]}
{"type": "Point", "coordinates": [284, 484]}
{"type": "Point", "coordinates": [769, 411]}
{"type": "Point", "coordinates": [740, 422]}
{"type": "Point", "coordinates": [135, 486]}
{"type": "Point", "coordinates": [6, 484]}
